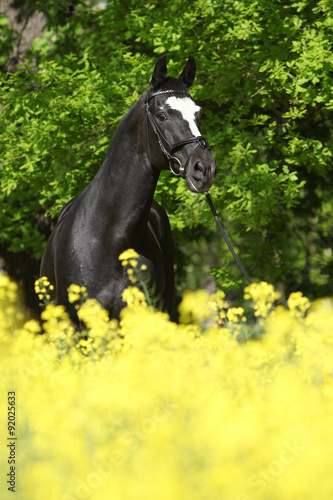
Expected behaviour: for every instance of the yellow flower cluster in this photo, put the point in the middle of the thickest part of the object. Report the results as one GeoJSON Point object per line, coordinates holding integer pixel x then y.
{"type": "Point", "coordinates": [43, 288]}
{"type": "Point", "coordinates": [298, 304]}
{"type": "Point", "coordinates": [10, 308]}
{"type": "Point", "coordinates": [263, 296]}
{"type": "Point", "coordinates": [134, 297]}
{"type": "Point", "coordinates": [77, 293]}
{"type": "Point", "coordinates": [234, 314]}
{"type": "Point", "coordinates": [130, 258]}
{"type": "Point", "coordinates": [195, 307]}
{"type": "Point", "coordinates": [219, 306]}
{"type": "Point", "coordinates": [147, 408]}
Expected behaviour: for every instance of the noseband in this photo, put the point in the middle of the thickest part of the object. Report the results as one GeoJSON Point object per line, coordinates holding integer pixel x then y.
{"type": "Point", "coordinates": [198, 141]}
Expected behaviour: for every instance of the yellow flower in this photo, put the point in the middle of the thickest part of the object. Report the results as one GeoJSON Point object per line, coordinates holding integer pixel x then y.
{"type": "Point", "coordinates": [298, 304]}
{"type": "Point", "coordinates": [195, 307]}
{"type": "Point", "coordinates": [263, 296]}
{"type": "Point", "coordinates": [32, 326]}
{"type": "Point", "coordinates": [129, 256]}
{"type": "Point", "coordinates": [134, 297]}
{"type": "Point", "coordinates": [76, 293]}
{"type": "Point", "coordinates": [43, 288]}
{"type": "Point", "coordinates": [147, 383]}
{"type": "Point", "coordinates": [234, 314]}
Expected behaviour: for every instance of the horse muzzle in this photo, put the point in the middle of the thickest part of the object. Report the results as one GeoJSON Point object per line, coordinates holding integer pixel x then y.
{"type": "Point", "coordinates": [199, 169]}
{"type": "Point", "coordinates": [200, 175]}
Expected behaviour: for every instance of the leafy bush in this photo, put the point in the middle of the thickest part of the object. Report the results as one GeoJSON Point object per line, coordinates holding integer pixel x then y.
{"type": "Point", "coordinates": [209, 408]}
{"type": "Point", "coordinates": [264, 79]}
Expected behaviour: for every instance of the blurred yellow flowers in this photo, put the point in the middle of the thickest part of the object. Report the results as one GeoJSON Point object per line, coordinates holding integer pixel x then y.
{"type": "Point", "coordinates": [145, 408]}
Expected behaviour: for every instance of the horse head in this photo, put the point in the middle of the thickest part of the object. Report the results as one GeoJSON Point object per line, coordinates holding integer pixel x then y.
{"type": "Point", "coordinates": [173, 138]}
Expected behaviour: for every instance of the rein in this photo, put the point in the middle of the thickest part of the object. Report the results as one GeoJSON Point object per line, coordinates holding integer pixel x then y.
{"type": "Point", "coordinates": [199, 141]}
{"type": "Point", "coordinates": [226, 239]}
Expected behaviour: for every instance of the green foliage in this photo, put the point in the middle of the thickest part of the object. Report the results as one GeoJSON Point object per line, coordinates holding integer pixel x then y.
{"type": "Point", "coordinates": [56, 127]}
{"type": "Point", "coordinates": [7, 39]}
{"type": "Point", "coordinates": [264, 80]}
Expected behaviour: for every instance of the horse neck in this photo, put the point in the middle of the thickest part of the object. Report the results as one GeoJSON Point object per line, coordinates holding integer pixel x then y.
{"type": "Point", "coordinates": [126, 182]}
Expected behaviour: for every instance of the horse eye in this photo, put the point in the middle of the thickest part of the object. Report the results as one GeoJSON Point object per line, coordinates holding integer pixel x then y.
{"type": "Point", "coordinates": [161, 117]}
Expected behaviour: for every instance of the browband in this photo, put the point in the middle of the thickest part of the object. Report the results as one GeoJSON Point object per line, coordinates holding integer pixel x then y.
{"type": "Point", "coordinates": [167, 92]}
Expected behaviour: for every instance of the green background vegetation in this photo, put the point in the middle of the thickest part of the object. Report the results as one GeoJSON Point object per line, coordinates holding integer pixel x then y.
{"type": "Point", "coordinates": [264, 78]}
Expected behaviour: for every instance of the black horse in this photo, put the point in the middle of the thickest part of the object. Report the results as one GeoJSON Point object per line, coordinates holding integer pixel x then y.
{"type": "Point", "coordinates": [116, 211]}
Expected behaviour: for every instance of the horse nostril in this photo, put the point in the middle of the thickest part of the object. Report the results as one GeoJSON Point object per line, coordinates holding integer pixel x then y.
{"type": "Point", "coordinates": [199, 171]}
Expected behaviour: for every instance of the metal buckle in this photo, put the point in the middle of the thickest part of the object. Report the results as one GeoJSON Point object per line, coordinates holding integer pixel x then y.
{"type": "Point", "coordinates": [203, 143]}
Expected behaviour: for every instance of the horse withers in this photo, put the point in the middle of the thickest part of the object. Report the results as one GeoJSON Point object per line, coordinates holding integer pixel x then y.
{"type": "Point", "coordinates": [116, 211]}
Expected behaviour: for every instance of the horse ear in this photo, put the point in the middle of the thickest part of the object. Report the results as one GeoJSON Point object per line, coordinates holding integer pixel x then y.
{"type": "Point", "coordinates": [188, 74]}
{"type": "Point", "coordinates": [160, 72]}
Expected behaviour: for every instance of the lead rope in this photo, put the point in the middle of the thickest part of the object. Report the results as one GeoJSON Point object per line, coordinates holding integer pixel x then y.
{"type": "Point", "coordinates": [226, 239]}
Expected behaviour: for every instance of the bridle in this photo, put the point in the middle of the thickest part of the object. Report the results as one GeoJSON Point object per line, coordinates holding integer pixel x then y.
{"type": "Point", "coordinates": [198, 141]}
{"type": "Point", "coordinates": [179, 171]}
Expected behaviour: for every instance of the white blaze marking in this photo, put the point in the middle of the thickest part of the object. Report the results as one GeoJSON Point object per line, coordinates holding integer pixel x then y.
{"type": "Point", "coordinates": [188, 108]}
